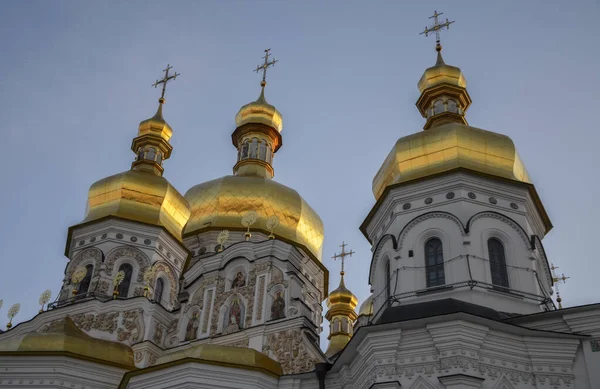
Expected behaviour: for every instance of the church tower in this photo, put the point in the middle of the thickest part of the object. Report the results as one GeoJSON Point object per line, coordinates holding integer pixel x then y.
{"type": "Point", "coordinates": [457, 216]}
{"type": "Point", "coordinates": [341, 313]}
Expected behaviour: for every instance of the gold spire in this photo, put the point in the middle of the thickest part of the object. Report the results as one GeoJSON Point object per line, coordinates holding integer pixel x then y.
{"type": "Point", "coordinates": [341, 306]}
{"type": "Point", "coordinates": [444, 97]}
{"type": "Point", "coordinates": [556, 279]}
{"type": "Point", "coordinates": [257, 136]}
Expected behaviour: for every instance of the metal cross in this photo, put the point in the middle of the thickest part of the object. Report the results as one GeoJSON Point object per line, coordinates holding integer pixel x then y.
{"type": "Point", "coordinates": [342, 255]}
{"type": "Point", "coordinates": [557, 280]}
{"type": "Point", "coordinates": [265, 66]}
{"type": "Point", "coordinates": [165, 80]}
{"type": "Point", "coordinates": [436, 27]}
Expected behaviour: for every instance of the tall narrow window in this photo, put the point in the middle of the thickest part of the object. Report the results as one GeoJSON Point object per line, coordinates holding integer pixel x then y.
{"type": "Point", "coordinates": [434, 262]}
{"type": "Point", "coordinates": [84, 285]}
{"type": "Point", "coordinates": [158, 290]}
{"type": "Point", "coordinates": [124, 286]}
{"type": "Point", "coordinates": [497, 262]}
{"type": "Point", "coordinates": [388, 281]}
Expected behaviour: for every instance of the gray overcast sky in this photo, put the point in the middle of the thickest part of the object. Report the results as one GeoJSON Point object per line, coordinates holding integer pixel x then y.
{"type": "Point", "coordinates": [75, 82]}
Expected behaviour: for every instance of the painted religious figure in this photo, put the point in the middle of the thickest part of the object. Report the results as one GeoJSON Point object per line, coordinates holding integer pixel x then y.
{"type": "Point", "coordinates": [235, 313]}
{"type": "Point", "coordinates": [238, 281]}
{"type": "Point", "coordinates": [278, 307]}
{"type": "Point", "coordinates": [191, 332]}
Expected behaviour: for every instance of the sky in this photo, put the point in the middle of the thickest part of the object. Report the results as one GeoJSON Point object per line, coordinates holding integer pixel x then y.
{"type": "Point", "coordinates": [75, 81]}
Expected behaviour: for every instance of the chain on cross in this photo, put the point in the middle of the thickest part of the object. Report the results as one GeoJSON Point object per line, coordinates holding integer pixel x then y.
{"type": "Point", "coordinates": [265, 66]}
{"type": "Point", "coordinates": [164, 81]}
{"type": "Point", "coordinates": [437, 27]}
{"type": "Point", "coordinates": [342, 256]}
{"type": "Point", "coordinates": [556, 279]}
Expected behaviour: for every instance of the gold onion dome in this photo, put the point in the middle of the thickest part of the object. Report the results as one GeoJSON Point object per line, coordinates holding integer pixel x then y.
{"type": "Point", "coordinates": [221, 203]}
{"type": "Point", "coordinates": [260, 111]}
{"type": "Point", "coordinates": [142, 194]}
{"type": "Point", "coordinates": [366, 308]}
{"type": "Point", "coordinates": [341, 305]}
{"type": "Point", "coordinates": [448, 142]}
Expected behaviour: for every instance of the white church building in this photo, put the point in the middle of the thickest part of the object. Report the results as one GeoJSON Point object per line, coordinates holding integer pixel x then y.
{"type": "Point", "coordinates": [222, 287]}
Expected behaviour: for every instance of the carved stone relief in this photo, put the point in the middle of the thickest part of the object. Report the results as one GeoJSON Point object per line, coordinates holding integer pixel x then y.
{"type": "Point", "coordinates": [106, 322]}
{"type": "Point", "coordinates": [290, 349]}
{"type": "Point", "coordinates": [130, 252]}
{"type": "Point", "coordinates": [133, 326]}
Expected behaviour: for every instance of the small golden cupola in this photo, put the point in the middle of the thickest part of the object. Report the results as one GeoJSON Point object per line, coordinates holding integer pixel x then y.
{"type": "Point", "coordinates": [221, 203]}
{"type": "Point", "coordinates": [341, 314]}
{"type": "Point", "coordinates": [142, 194]}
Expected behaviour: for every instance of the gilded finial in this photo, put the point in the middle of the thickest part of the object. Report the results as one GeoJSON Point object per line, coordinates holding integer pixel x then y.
{"type": "Point", "coordinates": [117, 281]}
{"type": "Point", "coordinates": [45, 298]}
{"type": "Point", "coordinates": [342, 256]}
{"type": "Point", "coordinates": [556, 279]}
{"type": "Point", "coordinates": [264, 68]}
{"type": "Point", "coordinates": [78, 276]}
{"type": "Point", "coordinates": [248, 219]}
{"type": "Point", "coordinates": [272, 223]}
{"type": "Point", "coordinates": [437, 27]}
{"type": "Point", "coordinates": [222, 238]}
{"type": "Point", "coordinates": [12, 312]}
{"type": "Point", "coordinates": [164, 82]}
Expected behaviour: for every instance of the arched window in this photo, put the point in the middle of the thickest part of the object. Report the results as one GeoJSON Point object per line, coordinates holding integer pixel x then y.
{"type": "Point", "coordinates": [158, 290]}
{"type": "Point", "coordinates": [124, 286]}
{"type": "Point", "coordinates": [388, 280]}
{"type": "Point", "coordinates": [434, 262]}
{"type": "Point", "coordinates": [245, 150]}
{"type": "Point", "coordinates": [438, 107]}
{"type": "Point", "coordinates": [84, 285]}
{"type": "Point", "coordinates": [497, 262]}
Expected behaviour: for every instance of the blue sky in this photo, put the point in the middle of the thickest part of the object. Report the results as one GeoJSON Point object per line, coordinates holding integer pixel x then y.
{"type": "Point", "coordinates": [75, 82]}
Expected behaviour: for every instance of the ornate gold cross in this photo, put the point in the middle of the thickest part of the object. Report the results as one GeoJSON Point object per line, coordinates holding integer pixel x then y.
{"type": "Point", "coordinates": [265, 66]}
{"type": "Point", "coordinates": [557, 280]}
{"type": "Point", "coordinates": [342, 256]}
{"type": "Point", "coordinates": [165, 80]}
{"type": "Point", "coordinates": [436, 27]}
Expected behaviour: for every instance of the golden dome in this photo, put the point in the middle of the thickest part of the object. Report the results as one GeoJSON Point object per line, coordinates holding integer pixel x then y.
{"type": "Point", "coordinates": [341, 298]}
{"type": "Point", "coordinates": [260, 111]}
{"type": "Point", "coordinates": [240, 357]}
{"type": "Point", "coordinates": [156, 125]}
{"type": "Point", "coordinates": [441, 73]}
{"type": "Point", "coordinates": [447, 147]}
{"type": "Point", "coordinates": [141, 196]}
{"type": "Point", "coordinates": [366, 308]}
{"type": "Point", "coordinates": [63, 336]}
{"type": "Point", "coordinates": [220, 204]}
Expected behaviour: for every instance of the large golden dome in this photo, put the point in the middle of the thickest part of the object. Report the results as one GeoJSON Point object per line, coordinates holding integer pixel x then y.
{"type": "Point", "coordinates": [447, 147]}
{"type": "Point", "coordinates": [220, 204]}
{"type": "Point", "coordinates": [141, 196]}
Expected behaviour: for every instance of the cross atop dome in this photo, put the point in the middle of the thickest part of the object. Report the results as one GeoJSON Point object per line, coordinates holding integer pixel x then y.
{"type": "Point", "coordinates": [265, 66]}
{"type": "Point", "coordinates": [436, 27]}
{"type": "Point", "coordinates": [164, 82]}
{"type": "Point", "coordinates": [342, 256]}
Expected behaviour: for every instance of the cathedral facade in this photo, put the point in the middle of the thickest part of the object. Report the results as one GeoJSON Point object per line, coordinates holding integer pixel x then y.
{"type": "Point", "coordinates": [222, 287]}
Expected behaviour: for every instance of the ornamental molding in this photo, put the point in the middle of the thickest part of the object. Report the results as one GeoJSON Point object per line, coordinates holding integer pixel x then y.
{"type": "Point", "coordinates": [93, 253]}
{"type": "Point", "coordinates": [430, 215]}
{"type": "Point", "coordinates": [133, 327]}
{"type": "Point", "coordinates": [378, 250]}
{"type": "Point", "coordinates": [128, 252]}
{"type": "Point", "coordinates": [168, 272]}
{"type": "Point", "coordinates": [506, 220]}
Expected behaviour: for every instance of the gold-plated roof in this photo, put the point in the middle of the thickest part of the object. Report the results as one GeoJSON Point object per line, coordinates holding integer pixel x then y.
{"type": "Point", "coordinates": [221, 203]}
{"type": "Point", "coordinates": [259, 111]}
{"type": "Point", "coordinates": [139, 196]}
{"type": "Point", "coordinates": [156, 126]}
{"type": "Point", "coordinates": [441, 73]}
{"type": "Point", "coordinates": [240, 357]}
{"type": "Point", "coordinates": [446, 147]}
{"type": "Point", "coordinates": [342, 297]}
{"type": "Point", "coordinates": [63, 336]}
{"type": "Point", "coordinates": [366, 308]}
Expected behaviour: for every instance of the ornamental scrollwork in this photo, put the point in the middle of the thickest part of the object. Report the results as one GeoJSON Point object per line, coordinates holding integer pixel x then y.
{"type": "Point", "coordinates": [129, 252]}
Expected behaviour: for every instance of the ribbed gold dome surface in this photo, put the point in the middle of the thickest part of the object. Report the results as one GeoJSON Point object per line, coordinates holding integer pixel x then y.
{"type": "Point", "coordinates": [259, 111]}
{"type": "Point", "coordinates": [446, 147]}
{"type": "Point", "coordinates": [441, 73]}
{"type": "Point", "coordinates": [139, 196]}
{"type": "Point", "coordinates": [366, 308]}
{"type": "Point", "coordinates": [221, 203]}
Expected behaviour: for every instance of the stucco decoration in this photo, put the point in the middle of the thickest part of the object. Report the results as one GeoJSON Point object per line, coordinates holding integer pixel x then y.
{"type": "Point", "coordinates": [430, 215]}
{"type": "Point", "coordinates": [290, 348]}
{"type": "Point", "coordinates": [498, 216]}
{"type": "Point", "coordinates": [128, 252]}
{"type": "Point", "coordinates": [92, 253]}
{"type": "Point", "coordinates": [378, 250]}
{"type": "Point", "coordinates": [169, 272]}
{"type": "Point", "coordinates": [132, 329]}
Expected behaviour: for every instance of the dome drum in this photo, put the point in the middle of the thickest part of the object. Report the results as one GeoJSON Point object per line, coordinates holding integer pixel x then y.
{"type": "Point", "coordinates": [444, 103]}
{"type": "Point", "coordinates": [247, 130]}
